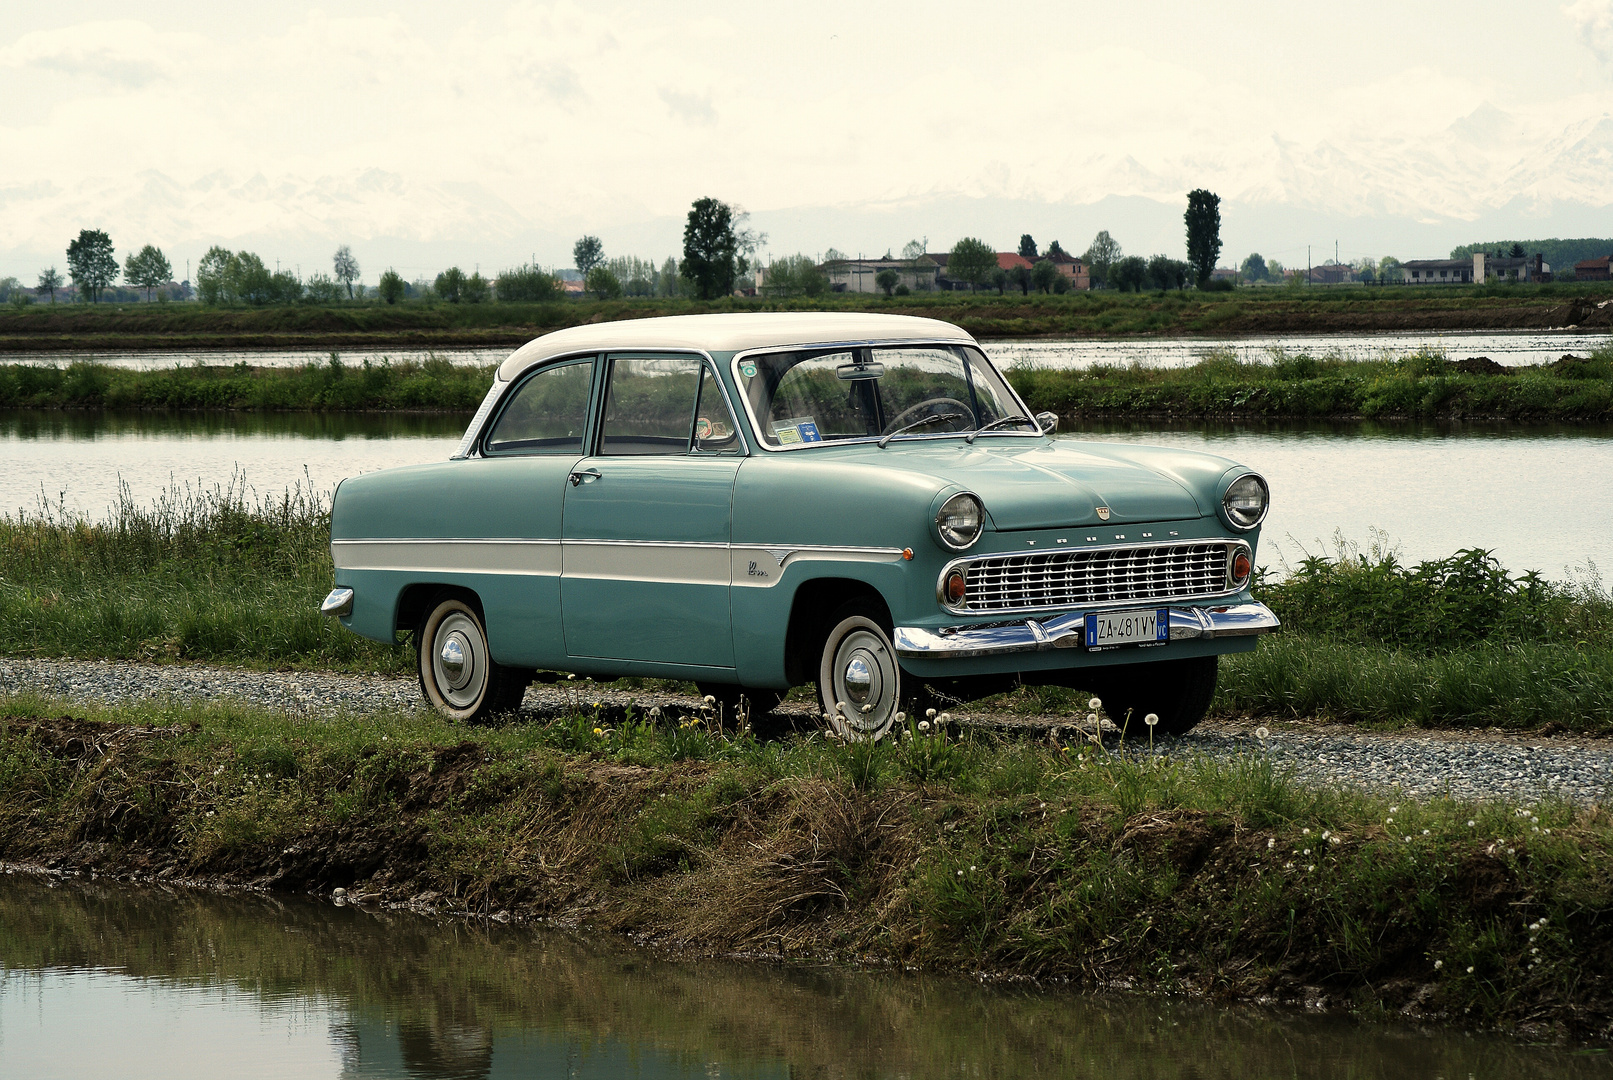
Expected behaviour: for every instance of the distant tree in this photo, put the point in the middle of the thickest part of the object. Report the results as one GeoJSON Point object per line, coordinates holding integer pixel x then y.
{"type": "Point", "coordinates": [50, 281]}
{"type": "Point", "coordinates": [91, 263]}
{"type": "Point", "coordinates": [1389, 269]}
{"type": "Point", "coordinates": [147, 269]}
{"type": "Point", "coordinates": [914, 249]}
{"type": "Point", "coordinates": [796, 275]}
{"type": "Point", "coordinates": [1020, 277]}
{"type": "Point", "coordinates": [1165, 272]}
{"type": "Point", "coordinates": [322, 289]}
{"type": "Point", "coordinates": [475, 289]}
{"type": "Point", "coordinates": [1516, 251]}
{"type": "Point", "coordinates": [345, 268]}
{"type": "Point", "coordinates": [587, 253]}
{"type": "Point", "coordinates": [1044, 275]}
{"type": "Point", "coordinates": [1254, 267]}
{"type": "Point", "coordinates": [603, 284]}
{"type": "Point", "coordinates": [1100, 256]}
{"type": "Point", "coordinates": [527, 283]}
{"type": "Point", "coordinates": [284, 287]}
{"type": "Point", "coordinates": [669, 283]}
{"type": "Point", "coordinates": [711, 249]}
{"type": "Point", "coordinates": [887, 280]}
{"type": "Point", "coordinates": [1054, 251]}
{"type": "Point", "coordinates": [11, 289]}
{"type": "Point", "coordinates": [1027, 247]}
{"type": "Point", "coordinates": [973, 261]}
{"type": "Point", "coordinates": [450, 284]}
{"type": "Point", "coordinates": [834, 255]}
{"type": "Point", "coordinates": [392, 286]}
{"type": "Point", "coordinates": [1130, 272]}
{"type": "Point", "coordinates": [999, 280]}
{"type": "Point", "coordinates": [215, 277]}
{"type": "Point", "coordinates": [253, 283]}
{"type": "Point", "coordinates": [1203, 219]}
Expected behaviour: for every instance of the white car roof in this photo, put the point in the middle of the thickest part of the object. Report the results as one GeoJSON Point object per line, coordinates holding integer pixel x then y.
{"type": "Point", "coordinates": [737, 331]}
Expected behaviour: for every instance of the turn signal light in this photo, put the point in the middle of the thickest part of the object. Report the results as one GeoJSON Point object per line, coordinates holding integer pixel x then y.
{"type": "Point", "coordinates": [1241, 567]}
{"type": "Point", "coordinates": [956, 588]}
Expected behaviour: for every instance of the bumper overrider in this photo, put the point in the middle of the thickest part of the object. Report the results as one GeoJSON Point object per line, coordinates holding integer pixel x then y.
{"type": "Point", "coordinates": [1068, 631]}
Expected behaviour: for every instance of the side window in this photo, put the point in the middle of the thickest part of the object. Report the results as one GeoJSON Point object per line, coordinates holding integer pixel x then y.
{"type": "Point", "coordinates": [650, 405]}
{"type": "Point", "coordinates": [548, 413]}
{"type": "Point", "coordinates": [715, 431]}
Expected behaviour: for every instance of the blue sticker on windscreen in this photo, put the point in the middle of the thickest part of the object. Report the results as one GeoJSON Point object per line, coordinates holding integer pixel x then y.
{"type": "Point", "coordinates": [809, 432]}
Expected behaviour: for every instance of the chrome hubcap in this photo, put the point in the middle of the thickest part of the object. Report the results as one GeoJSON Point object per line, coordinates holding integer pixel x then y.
{"type": "Point", "coordinates": [453, 660]}
{"type": "Point", "coordinates": [859, 679]}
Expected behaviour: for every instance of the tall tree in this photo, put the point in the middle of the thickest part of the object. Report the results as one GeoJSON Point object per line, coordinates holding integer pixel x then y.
{"type": "Point", "coordinates": [215, 277]}
{"type": "Point", "coordinates": [1203, 219]}
{"type": "Point", "coordinates": [345, 267]}
{"type": "Point", "coordinates": [91, 263]}
{"type": "Point", "coordinates": [1101, 255]}
{"type": "Point", "coordinates": [972, 261]}
{"type": "Point", "coordinates": [147, 269]}
{"type": "Point", "coordinates": [1516, 251]}
{"type": "Point", "coordinates": [392, 287]}
{"type": "Point", "coordinates": [50, 281]}
{"type": "Point", "coordinates": [1027, 247]}
{"type": "Point", "coordinates": [587, 253]}
{"type": "Point", "coordinates": [1054, 251]}
{"type": "Point", "coordinates": [711, 255]}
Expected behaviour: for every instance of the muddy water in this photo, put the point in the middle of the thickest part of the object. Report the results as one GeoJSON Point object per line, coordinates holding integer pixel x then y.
{"type": "Point", "coordinates": [135, 983]}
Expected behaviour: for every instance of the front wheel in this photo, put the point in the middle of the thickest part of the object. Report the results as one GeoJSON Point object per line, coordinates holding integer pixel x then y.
{"type": "Point", "coordinates": [1179, 692]}
{"type": "Point", "coordinates": [458, 675]}
{"type": "Point", "coordinates": [859, 682]}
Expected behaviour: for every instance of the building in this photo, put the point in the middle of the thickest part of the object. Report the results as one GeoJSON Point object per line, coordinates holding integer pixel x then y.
{"type": "Point", "coordinates": [1332, 274]}
{"type": "Point", "coordinates": [1439, 271]}
{"type": "Point", "coordinates": [859, 275]}
{"type": "Point", "coordinates": [1593, 269]}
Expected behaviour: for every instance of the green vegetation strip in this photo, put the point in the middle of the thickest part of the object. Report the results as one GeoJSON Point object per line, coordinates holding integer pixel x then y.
{"type": "Point", "coordinates": [1425, 385]}
{"type": "Point", "coordinates": [1086, 314]}
{"type": "Point", "coordinates": [952, 854]}
{"type": "Point", "coordinates": [214, 576]}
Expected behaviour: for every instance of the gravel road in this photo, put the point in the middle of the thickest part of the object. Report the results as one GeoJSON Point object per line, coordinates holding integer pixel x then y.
{"type": "Point", "coordinates": [1469, 764]}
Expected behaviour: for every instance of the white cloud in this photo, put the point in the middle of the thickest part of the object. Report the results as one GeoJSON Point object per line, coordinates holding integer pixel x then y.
{"type": "Point", "coordinates": [1593, 19]}
{"type": "Point", "coordinates": [124, 52]}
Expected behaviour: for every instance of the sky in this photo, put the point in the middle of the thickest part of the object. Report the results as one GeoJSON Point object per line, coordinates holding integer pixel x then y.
{"type": "Point", "coordinates": [488, 134]}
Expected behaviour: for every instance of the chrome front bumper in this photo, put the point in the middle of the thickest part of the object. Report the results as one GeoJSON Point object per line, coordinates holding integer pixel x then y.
{"type": "Point", "coordinates": [1068, 631]}
{"type": "Point", "coordinates": [338, 605]}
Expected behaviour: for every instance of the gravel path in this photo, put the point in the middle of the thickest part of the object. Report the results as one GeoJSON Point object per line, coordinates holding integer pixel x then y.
{"type": "Point", "coordinates": [1468, 764]}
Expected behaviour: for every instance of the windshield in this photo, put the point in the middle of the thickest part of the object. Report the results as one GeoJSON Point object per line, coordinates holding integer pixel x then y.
{"type": "Point", "coordinates": [829, 395]}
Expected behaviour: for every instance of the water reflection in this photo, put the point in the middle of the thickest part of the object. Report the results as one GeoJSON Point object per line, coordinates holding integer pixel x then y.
{"type": "Point", "coordinates": [87, 425]}
{"type": "Point", "coordinates": [133, 982]}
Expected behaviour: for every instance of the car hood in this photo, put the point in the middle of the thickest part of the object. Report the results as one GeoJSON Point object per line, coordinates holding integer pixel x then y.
{"type": "Point", "coordinates": [1059, 484]}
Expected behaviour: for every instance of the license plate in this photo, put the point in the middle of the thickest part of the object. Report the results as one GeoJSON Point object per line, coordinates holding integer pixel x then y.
{"type": "Point", "coordinates": [1111, 628]}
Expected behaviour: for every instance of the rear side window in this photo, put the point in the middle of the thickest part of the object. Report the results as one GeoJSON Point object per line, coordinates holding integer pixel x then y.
{"type": "Point", "coordinates": [650, 405]}
{"type": "Point", "coordinates": [547, 414]}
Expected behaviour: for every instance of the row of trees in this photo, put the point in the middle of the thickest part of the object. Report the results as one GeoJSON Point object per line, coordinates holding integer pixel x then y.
{"type": "Point", "coordinates": [93, 266]}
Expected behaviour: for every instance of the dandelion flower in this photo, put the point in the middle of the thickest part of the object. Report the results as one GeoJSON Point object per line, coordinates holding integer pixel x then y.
{"type": "Point", "coordinates": [900, 717]}
{"type": "Point", "coordinates": [1262, 733]}
{"type": "Point", "coordinates": [929, 714]}
{"type": "Point", "coordinates": [960, 874]}
{"type": "Point", "coordinates": [1304, 832]}
{"type": "Point", "coordinates": [1388, 821]}
{"type": "Point", "coordinates": [1151, 719]}
{"type": "Point", "coordinates": [1092, 718]}
{"type": "Point", "coordinates": [1438, 964]}
{"type": "Point", "coordinates": [599, 731]}
{"type": "Point", "coordinates": [1470, 969]}
{"type": "Point", "coordinates": [944, 717]}
{"type": "Point", "coordinates": [1307, 851]}
{"type": "Point", "coordinates": [1470, 824]}
{"type": "Point", "coordinates": [1326, 834]}
{"type": "Point", "coordinates": [924, 725]}
{"type": "Point", "coordinates": [1425, 832]}
{"type": "Point", "coordinates": [971, 869]}
{"type": "Point", "coordinates": [1095, 703]}
{"type": "Point", "coordinates": [1534, 951]}
{"type": "Point", "coordinates": [1271, 843]}
{"type": "Point", "coordinates": [710, 700]}
{"type": "Point", "coordinates": [1312, 866]}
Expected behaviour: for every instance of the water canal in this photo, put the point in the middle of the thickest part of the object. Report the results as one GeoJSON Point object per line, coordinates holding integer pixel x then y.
{"type": "Point", "coordinates": [138, 982]}
{"type": "Point", "coordinates": [1536, 495]}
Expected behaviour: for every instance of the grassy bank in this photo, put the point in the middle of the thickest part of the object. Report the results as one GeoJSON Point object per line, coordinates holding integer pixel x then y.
{"type": "Point", "coordinates": [958, 855]}
{"type": "Point", "coordinates": [1424, 385]}
{"type": "Point", "coordinates": [217, 577]}
{"type": "Point", "coordinates": [1099, 314]}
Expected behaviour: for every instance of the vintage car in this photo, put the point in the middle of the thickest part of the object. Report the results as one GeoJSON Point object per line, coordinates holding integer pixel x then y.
{"type": "Point", "coordinates": [755, 501]}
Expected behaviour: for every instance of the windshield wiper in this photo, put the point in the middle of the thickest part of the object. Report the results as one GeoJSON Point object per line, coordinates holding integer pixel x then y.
{"type": "Point", "coordinates": [1017, 418]}
{"type": "Point", "coordinates": [932, 418]}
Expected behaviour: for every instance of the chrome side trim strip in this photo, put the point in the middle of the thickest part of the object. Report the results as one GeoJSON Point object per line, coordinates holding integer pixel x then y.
{"type": "Point", "coordinates": [1066, 632]}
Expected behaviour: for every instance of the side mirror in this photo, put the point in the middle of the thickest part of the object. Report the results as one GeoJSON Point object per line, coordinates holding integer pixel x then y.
{"type": "Point", "coordinates": [1048, 422]}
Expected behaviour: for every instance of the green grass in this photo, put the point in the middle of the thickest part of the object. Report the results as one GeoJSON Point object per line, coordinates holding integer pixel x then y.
{"type": "Point", "coordinates": [1425, 385]}
{"type": "Point", "coordinates": [211, 576]}
{"type": "Point", "coordinates": [1019, 858]}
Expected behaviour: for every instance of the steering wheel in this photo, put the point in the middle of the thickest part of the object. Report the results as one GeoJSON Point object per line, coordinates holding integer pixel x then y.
{"type": "Point", "coordinates": [912, 410]}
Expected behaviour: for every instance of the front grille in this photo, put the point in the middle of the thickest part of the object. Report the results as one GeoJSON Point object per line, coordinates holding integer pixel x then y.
{"type": "Point", "coordinates": [1061, 579]}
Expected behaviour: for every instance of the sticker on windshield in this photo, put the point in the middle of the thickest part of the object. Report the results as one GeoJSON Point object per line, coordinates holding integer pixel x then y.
{"type": "Point", "coordinates": [799, 429]}
{"type": "Point", "coordinates": [748, 369]}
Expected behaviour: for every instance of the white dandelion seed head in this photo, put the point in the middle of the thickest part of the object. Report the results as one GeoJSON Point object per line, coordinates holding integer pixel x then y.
{"type": "Point", "coordinates": [1095, 703]}
{"type": "Point", "coordinates": [1438, 964]}
{"type": "Point", "coordinates": [1151, 719]}
{"type": "Point", "coordinates": [924, 725]}
{"type": "Point", "coordinates": [868, 708]}
{"type": "Point", "coordinates": [1470, 969]}
{"type": "Point", "coordinates": [1271, 843]}
{"type": "Point", "coordinates": [1092, 718]}
{"type": "Point", "coordinates": [901, 717]}
{"type": "Point", "coordinates": [1470, 824]}
{"type": "Point", "coordinates": [929, 714]}
{"type": "Point", "coordinates": [1262, 733]}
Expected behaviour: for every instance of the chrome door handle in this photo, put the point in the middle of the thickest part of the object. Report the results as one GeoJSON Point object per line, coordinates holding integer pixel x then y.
{"type": "Point", "coordinates": [585, 476]}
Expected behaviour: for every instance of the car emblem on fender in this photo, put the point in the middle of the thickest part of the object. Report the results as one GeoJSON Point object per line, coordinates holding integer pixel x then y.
{"type": "Point", "coordinates": [1103, 513]}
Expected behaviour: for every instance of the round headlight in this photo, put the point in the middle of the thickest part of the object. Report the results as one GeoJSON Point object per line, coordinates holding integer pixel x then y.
{"type": "Point", "coordinates": [1246, 501]}
{"type": "Point", "coordinates": [959, 521]}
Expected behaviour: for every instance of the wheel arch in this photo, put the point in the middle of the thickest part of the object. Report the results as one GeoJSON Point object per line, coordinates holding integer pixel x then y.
{"type": "Point", "coordinates": [418, 598]}
{"type": "Point", "coordinates": [811, 609]}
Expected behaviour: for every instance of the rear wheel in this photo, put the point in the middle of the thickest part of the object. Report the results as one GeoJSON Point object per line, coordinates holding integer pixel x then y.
{"type": "Point", "coordinates": [859, 681]}
{"type": "Point", "coordinates": [458, 675]}
{"type": "Point", "coordinates": [1179, 692]}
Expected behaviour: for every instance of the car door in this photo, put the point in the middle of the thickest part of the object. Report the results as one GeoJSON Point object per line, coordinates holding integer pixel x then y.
{"type": "Point", "coordinates": [508, 509]}
{"type": "Point", "coordinates": [645, 573]}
